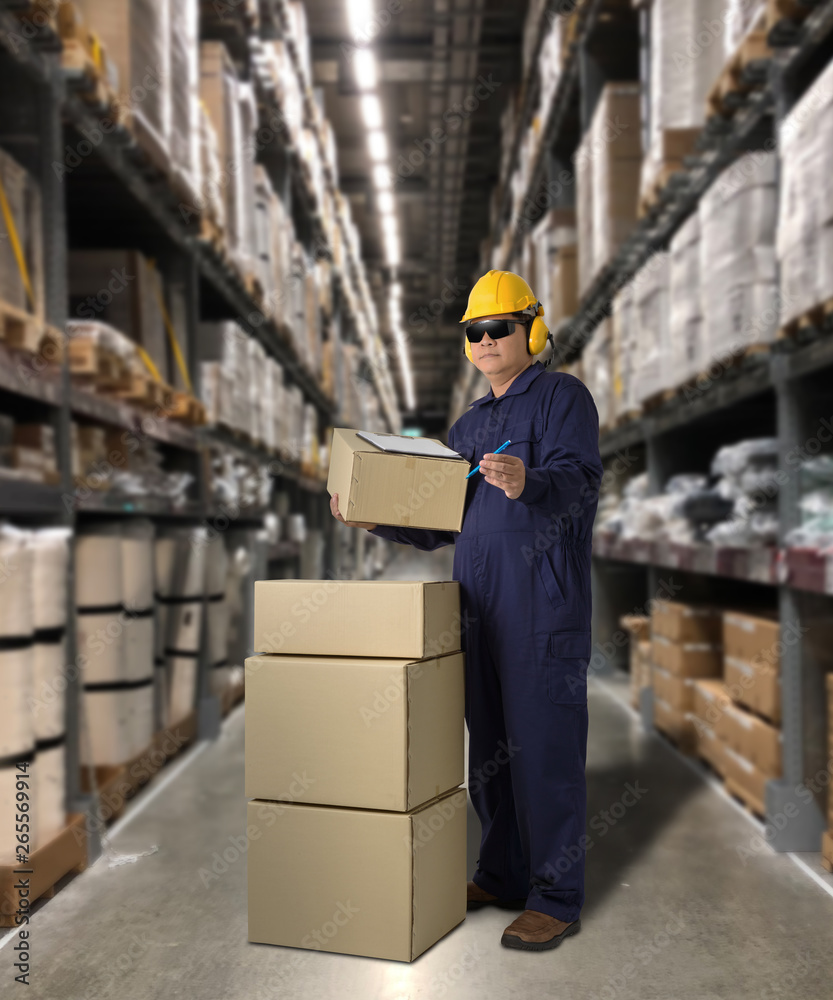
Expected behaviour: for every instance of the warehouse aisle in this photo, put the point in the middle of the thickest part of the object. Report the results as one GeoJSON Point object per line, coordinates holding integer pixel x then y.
{"type": "Point", "coordinates": [678, 895]}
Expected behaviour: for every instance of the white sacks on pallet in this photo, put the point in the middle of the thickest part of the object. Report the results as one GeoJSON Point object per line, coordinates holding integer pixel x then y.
{"type": "Point", "coordinates": [687, 356]}
{"type": "Point", "coordinates": [48, 687]}
{"type": "Point", "coordinates": [49, 787]}
{"type": "Point", "coordinates": [624, 354]}
{"type": "Point", "coordinates": [598, 371]}
{"type": "Point", "coordinates": [651, 308]}
{"type": "Point", "coordinates": [16, 559]}
{"type": "Point", "coordinates": [737, 257]}
{"type": "Point", "coordinates": [17, 735]}
{"type": "Point", "coordinates": [50, 550]}
{"type": "Point", "coordinates": [805, 223]}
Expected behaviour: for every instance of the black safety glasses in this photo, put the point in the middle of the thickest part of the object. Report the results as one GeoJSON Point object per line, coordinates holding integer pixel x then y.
{"type": "Point", "coordinates": [495, 328]}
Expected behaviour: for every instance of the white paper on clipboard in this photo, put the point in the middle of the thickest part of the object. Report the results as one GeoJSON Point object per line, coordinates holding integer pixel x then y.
{"type": "Point", "coordinates": [402, 444]}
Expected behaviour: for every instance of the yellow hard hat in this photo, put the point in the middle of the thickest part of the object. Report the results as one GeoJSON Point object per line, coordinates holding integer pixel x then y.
{"type": "Point", "coordinates": [506, 292]}
{"type": "Point", "coordinates": [499, 292]}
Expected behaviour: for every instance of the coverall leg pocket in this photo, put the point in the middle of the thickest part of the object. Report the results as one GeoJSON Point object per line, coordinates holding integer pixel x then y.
{"type": "Point", "coordinates": [569, 656]}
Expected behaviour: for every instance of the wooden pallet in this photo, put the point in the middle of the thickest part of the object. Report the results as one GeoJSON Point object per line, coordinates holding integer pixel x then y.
{"type": "Point", "coordinates": [20, 329]}
{"type": "Point", "coordinates": [213, 236]}
{"type": "Point", "coordinates": [818, 318]}
{"type": "Point", "coordinates": [745, 70]}
{"type": "Point", "coordinates": [95, 366]}
{"type": "Point", "coordinates": [64, 854]}
{"type": "Point", "coordinates": [141, 391]}
{"type": "Point", "coordinates": [777, 11]}
{"type": "Point", "coordinates": [186, 408]}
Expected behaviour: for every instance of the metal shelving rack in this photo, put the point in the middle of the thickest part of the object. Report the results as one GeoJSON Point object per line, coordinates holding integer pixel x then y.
{"type": "Point", "coordinates": [781, 393]}
{"type": "Point", "coordinates": [35, 127]}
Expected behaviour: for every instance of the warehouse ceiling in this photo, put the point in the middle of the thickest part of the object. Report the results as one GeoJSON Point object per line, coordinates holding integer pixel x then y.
{"type": "Point", "coordinates": [446, 70]}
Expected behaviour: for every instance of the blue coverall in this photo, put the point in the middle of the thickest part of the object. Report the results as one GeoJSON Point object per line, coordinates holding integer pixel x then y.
{"type": "Point", "coordinates": [524, 572]}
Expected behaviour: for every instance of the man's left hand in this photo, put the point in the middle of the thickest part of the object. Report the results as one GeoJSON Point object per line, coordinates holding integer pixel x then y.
{"type": "Point", "coordinates": [506, 471]}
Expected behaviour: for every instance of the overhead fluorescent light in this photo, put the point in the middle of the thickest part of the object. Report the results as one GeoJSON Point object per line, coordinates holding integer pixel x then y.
{"type": "Point", "coordinates": [381, 177]}
{"type": "Point", "coordinates": [367, 74]}
{"type": "Point", "coordinates": [384, 199]}
{"type": "Point", "coordinates": [360, 18]}
{"type": "Point", "coordinates": [389, 226]}
{"type": "Point", "coordinates": [377, 144]}
{"type": "Point", "coordinates": [371, 111]}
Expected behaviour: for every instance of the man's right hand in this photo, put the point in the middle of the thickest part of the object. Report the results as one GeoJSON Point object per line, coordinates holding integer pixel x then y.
{"type": "Point", "coordinates": [350, 524]}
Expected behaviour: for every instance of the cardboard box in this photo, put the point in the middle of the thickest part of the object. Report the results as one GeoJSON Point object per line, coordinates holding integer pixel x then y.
{"type": "Point", "coordinates": [686, 622]}
{"type": "Point", "coordinates": [710, 701]}
{"type": "Point", "coordinates": [757, 741]}
{"type": "Point", "coordinates": [678, 692]}
{"type": "Point", "coordinates": [751, 638]}
{"type": "Point", "coordinates": [827, 850]}
{"type": "Point", "coordinates": [354, 881]}
{"type": "Point", "coordinates": [399, 618]}
{"type": "Point", "coordinates": [565, 283]}
{"type": "Point", "coordinates": [687, 659]}
{"type": "Point", "coordinates": [676, 724]}
{"type": "Point", "coordinates": [396, 489]}
{"type": "Point", "coordinates": [755, 685]}
{"type": "Point", "coordinates": [745, 780]}
{"type": "Point", "coordinates": [709, 746]}
{"type": "Point", "coordinates": [346, 731]}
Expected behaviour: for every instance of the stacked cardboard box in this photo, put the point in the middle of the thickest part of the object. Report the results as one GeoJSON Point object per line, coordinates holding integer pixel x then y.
{"type": "Point", "coordinates": [685, 645]}
{"type": "Point", "coordinates": [805, 223]}
{"type": "Point", "coordinates": [639, 627]}
{"type": "Point", "coordinates": [354, 758]}
{"type": "Point", "coordinates": [651, 306]}
{"type": "Point", "coordinates": [687, 355]}
{"type": "Point", "coordinates": [737, 718]}
{"type": "Point", "coordinates": [737, 257]}
{"type": "Point", "coordinates": [24, 203]}
{"type": "Point", "coordinates": [607, 179]}
{"type": "Point", "coordinates": [680, 79]}
{"type": "Point", "coordinates": [398, 486]}
{"type": "Point", "coordinates": [598, 369]}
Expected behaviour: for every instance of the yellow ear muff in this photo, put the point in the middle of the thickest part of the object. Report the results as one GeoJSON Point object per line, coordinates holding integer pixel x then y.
{"type": "Point", "coordinates": [468, 349]}
{"type": "Point", "coordinates": [538, 333]}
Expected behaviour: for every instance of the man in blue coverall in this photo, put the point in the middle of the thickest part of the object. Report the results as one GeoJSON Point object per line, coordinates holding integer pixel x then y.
{"type": "Point", "coordinates": [522, 559]}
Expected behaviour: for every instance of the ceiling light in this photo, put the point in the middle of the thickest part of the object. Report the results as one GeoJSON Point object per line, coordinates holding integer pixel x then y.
{"type": "Point", "coordinates": [377, 144]}
{"type": "Point", "coordinates": [381, 177]}
{"type": "Point", "coordinates": [385, 202]}
{"type": "Point", "coordinates": [367, 75]}
{"type": "Point", "coordinates": [389, 226]}
{"type": "Point", "coordinates": [371, 111]}
{"type": "Point", "coordinates": [359, 16]}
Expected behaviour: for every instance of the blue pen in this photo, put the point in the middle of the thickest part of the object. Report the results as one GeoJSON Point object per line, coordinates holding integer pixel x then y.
{"type": "Point", "coordinates": [499, 450]}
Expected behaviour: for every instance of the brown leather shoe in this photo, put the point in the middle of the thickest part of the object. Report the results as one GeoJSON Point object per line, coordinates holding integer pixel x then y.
{"type": "Point", "coordinates": [477, 897]}
{"type": "Point", "coordinates": [534, 931]}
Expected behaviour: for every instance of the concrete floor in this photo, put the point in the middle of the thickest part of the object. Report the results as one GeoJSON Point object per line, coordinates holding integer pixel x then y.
{"type": "Point", "coordinates": [683, 898]}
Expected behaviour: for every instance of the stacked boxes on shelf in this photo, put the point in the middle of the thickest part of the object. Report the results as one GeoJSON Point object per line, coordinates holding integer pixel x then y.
{"type": "Point", "coordinates": [607, 179]}
{"type": "Point", "coordinates": [23, 198]}
{"type": "Point", "coordinates": [686, 643]}
{"type": "Point", "coordinates": [678, 84]}
{"type": "Point", "coordinates": [152, 45]}
{"type": "Point", "coordinates": [805, 222]}
{"type": "Point", "coordinates": [749, 726]}
{"type": "Point", "coordinates": [639, 629]}
{"type": "Point", "coordinates": [651, 308]}
{"type": "Point", "coordinates": [737, 257]}
{"type": "Point", "coordinates": [354, 758]}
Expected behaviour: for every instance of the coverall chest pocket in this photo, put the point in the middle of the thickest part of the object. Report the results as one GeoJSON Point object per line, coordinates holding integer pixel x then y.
{"type": "Point", "coordinates": [525, 436]}
{"type": "Point", "coordinates": [567, 667]}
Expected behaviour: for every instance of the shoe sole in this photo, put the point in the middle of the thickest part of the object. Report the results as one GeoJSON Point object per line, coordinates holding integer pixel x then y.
{"type": "Point", "coordinates": [513, 941]}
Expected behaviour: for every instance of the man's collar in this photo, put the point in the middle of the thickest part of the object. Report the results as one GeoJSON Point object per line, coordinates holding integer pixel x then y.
{"type": "Point", "coordinates": [521, 384]}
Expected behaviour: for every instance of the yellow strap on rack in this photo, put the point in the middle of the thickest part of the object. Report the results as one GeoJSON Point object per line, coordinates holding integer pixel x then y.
{"type": "Point", "coordinates": [148, 360]}
{"type": "Point", "coordinates": [95, 52]}
{"type": "Point", "coordinates": [180, 361]}
{"type": "Point", "coordinates": [16, 247]}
